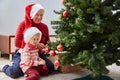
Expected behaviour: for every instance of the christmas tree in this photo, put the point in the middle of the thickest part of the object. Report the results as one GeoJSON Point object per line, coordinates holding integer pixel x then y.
{"type": "Point", "coordinates": [89, 31]}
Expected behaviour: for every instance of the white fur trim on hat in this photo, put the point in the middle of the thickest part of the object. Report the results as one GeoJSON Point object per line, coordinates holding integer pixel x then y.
{"type": "Point", "coordinates": [30, 32]}
{"type": "Point", "coordinates": [35, 9]}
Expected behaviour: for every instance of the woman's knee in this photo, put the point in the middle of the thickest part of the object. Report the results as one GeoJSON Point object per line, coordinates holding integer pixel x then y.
{"type": "Point", "coordinates": [50, 66]}
{"type": "Point", "coordinates": [11, 71]}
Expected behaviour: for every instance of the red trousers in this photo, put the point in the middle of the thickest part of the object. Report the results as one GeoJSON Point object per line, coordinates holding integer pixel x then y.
{"type": "Point", "coordinates": [35, 72]}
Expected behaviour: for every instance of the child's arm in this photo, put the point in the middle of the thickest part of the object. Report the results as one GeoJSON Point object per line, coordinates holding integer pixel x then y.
{"type": "Point", "coordinates": [37, 62]}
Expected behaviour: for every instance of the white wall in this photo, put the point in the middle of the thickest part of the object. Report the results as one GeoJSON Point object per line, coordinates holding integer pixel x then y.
{"type": "Point", "coordinates": [12, 12]}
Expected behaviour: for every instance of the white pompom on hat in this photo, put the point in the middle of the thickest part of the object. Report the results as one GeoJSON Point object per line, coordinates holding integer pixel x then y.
{"type": "Point", "coordinates": [30, 32]}
{"type": "Point", "coordinates": [35, 9]}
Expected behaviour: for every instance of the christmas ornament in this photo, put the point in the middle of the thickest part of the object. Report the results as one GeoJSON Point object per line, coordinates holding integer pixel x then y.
{"type": "Point", "coordinates": [65, 13]}
{"type": "Point", "coordinates": [57, 63]}
{"type": "Point", "coordinates": [60, 48]}
{"type": "Point", "coordinates": [47, 49]}
{"type": "Point", "coordinates": [52, 53]}
{"type": "Point", "coordinates": [63, 2]}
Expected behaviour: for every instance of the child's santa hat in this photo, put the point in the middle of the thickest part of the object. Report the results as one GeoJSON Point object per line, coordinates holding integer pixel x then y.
{"type": "Point", "coordinates": [30, 12]}
{"type": "Point", "coordinates": [30, 32]}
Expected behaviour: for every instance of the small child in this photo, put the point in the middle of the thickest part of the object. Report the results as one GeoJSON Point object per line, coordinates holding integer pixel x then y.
{"type": "Point", "coordinates": [31, 64]}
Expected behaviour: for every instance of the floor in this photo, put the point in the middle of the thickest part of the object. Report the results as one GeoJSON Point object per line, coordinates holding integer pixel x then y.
{"type": "Point", "coordinates": [114, 73]}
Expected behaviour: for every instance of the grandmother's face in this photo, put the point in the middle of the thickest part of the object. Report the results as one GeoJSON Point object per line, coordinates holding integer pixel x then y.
{"type": "Point", "coordinates": [38, 16]}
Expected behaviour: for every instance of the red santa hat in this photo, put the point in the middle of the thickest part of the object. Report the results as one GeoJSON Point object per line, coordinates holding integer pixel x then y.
{"type": "Point", "coordinates": [30, 12]}
{"type": "Point", "coordinates": [30, 32]}
{"type": "Point", "coordinates": [35, 9]}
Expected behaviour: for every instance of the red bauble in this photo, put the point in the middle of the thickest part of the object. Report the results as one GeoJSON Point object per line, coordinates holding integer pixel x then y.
{"type": "Point", "coordinates": [52, 53]}
{"type": "Point", "coordinates": [65, 13]}
{"type": "Point", "coordinates": [57, 63]}
{"type": "Point", "coordinates": [60, 48]}
{"type": "Point", "coordinates": [47, 49]}
{"type": "Point", "coordinates": [63, 2]}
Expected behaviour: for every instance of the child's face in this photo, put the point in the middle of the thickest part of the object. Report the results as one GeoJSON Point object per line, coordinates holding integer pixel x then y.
{"type": "Point", "coordinates": [35, 39]}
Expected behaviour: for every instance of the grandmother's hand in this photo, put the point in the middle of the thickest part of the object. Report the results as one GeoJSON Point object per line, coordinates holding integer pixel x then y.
{"type": "Point", "coordinates": [42, 62]}
{"type": "Point", "coordinates": [41, 46]}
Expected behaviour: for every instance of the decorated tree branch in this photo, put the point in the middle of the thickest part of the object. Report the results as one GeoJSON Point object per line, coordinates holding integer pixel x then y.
{"type": "Point", "coordinates": [89, 31]}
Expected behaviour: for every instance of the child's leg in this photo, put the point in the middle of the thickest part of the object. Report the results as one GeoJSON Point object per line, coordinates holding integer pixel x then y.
{"type": "Point", "coordinates": [32, 74]}
{"type": "Point", "coordinates": [43, 70]}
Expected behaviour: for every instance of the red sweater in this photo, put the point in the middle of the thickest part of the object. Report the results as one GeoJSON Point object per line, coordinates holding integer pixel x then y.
{"type": "Point", "coordinates": [19, 42]}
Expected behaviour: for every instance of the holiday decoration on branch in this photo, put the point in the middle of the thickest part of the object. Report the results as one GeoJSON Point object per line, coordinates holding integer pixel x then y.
{"type": "Point", "coordinates": [63, 2]}
{"type": "Point", "coordinates": [47, 50]}
{"type": "Point", "coordinates": [57, 63]}
{"type": "Point", "coordinates": [60, 48]}
{"type": "Point", "coordinates": [89, 30]}
{"type": "Point", "coordinates": [52, 53]}
{"type": "Point", "coordinates": [65, 13]}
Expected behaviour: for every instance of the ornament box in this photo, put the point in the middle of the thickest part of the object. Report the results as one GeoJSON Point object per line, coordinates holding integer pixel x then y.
{"type": "Point", "coordinates": [71, 68]}
{"type": "Point", "coordinates": [66, 68]}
